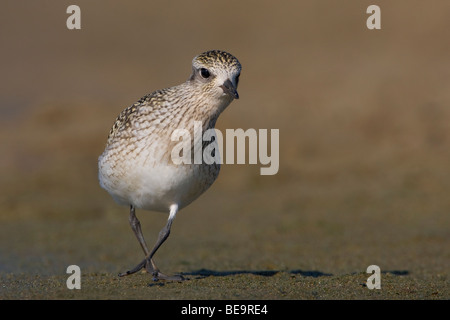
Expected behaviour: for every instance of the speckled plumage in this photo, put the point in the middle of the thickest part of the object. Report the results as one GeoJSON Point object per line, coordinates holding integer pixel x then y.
{"type": "Point", "coordinates": [136, 167]}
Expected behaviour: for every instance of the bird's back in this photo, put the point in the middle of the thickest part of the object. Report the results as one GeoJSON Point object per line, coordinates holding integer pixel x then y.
{"type": "Point", "coordinates": [136, 167]}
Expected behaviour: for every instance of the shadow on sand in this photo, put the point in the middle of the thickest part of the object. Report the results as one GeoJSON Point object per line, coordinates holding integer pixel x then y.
{"type": "Point", "coordinates": [203, 273]}
{"type": "Point", "coordinates": [396, 272]}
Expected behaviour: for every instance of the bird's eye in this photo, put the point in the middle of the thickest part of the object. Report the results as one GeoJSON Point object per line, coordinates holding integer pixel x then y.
{"type": "Point", "coordinates": [205, 73]}
{"type": "Point", "coordinates": [237, 79]}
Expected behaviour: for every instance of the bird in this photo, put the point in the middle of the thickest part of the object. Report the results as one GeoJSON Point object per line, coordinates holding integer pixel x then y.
{"type": "Point", "coordinates": [136, 167]}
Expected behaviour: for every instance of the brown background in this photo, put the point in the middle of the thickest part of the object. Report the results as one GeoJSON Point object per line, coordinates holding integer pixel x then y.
{"type": "Point", "coordinates": [364, 149]}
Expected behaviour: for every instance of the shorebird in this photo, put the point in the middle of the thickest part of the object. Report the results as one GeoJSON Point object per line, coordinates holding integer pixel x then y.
{"type": "Point", "coordinates": [136, 166]}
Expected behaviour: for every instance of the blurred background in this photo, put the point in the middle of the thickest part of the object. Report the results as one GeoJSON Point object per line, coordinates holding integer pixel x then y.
{"type": "Point", "coordinates": [364, 135]}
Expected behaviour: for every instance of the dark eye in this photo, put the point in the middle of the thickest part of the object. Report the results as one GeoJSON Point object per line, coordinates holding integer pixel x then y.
{"type": "Point", "coordinates": [237, 79]}
{"type": "Point", "coordinates": [205, 73]}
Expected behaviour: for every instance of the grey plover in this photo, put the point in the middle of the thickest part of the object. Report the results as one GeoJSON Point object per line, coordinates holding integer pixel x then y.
{"type": "Point", "coordinates": [136, 167]}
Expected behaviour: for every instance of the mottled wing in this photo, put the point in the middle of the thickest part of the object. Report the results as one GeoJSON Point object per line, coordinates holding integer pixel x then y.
{"type": "Point", "coordinates": [125, 119]}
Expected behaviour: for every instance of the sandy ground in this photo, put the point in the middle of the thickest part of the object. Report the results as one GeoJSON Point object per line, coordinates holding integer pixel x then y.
{"type": "Point", "coordinates": [364, 150]}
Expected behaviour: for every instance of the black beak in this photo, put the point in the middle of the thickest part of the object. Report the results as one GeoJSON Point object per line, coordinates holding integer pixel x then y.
{"type": "Point", "coordinates": [230, 89]}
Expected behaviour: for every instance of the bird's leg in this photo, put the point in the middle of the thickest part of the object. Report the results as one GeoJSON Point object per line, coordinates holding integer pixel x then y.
{"type": "Point", "coordinates": [136, 226]}
{"type": "Point", "coordinates": [148, 262]}
{"type": "Point", "coordinates": [163, 235]}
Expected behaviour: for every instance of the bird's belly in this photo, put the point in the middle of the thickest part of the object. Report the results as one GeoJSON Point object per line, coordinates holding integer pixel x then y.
{"type": "Point", "coordinates": [157, 187]}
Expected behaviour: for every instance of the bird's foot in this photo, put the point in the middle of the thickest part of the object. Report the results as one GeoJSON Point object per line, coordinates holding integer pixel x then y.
{"type": "Point", "coordinates": [153, 270]}
{"type": "Point", "coordinates": [140, 266]}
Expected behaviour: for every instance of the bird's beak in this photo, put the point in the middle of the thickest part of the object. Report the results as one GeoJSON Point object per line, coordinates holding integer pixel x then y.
{"type": "Point", "coordinates": [230, 89]}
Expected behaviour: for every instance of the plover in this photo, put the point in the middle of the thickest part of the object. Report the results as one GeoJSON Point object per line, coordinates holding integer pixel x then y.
{"type": "Point", "coordinates": [136, 167]}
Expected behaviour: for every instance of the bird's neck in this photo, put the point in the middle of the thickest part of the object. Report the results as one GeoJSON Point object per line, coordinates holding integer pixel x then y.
{"type": "Point", "coordinates": [204, 107]}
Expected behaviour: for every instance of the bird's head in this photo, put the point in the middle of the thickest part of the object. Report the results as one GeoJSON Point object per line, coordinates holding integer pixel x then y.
{"type": "Point", "coordinates": [217, 73]}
